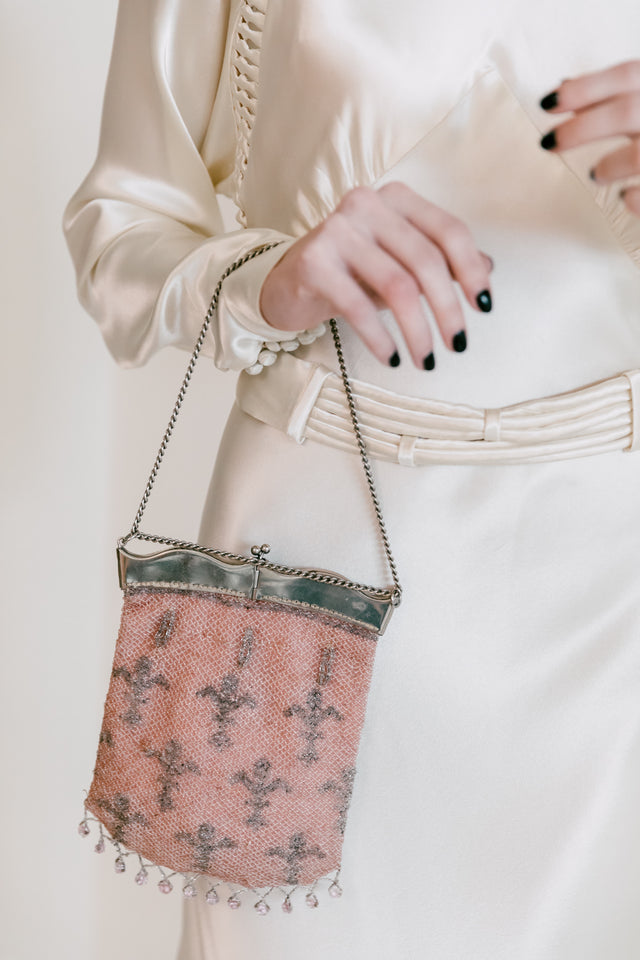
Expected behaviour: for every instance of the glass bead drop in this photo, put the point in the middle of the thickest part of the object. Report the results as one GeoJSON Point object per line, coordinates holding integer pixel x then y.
{"type": "Point", "coordinates": [311, 900]}
{"type": "Point", "coordinates": [335, 890]}
{"type": "Point", "coordinates": [262, 908]}
{"type": "Point", "coordinates": [141, 877]}
{"type": "Point", "coordinates": [189, 891]}
{"type": "Point", "coordinates": [212, 897]}
{"type": "Point", "coordinates": [99, 847]}
{"type": "Point", "coordinates": [119, 865]}
{"type": "Point", "coordinates": [165, 886]}
{"type": "Point", "coordinates": [287, 906]}
{"type": "Point", "coordinates": [83, 828]}
{"type": "Point", "coordinates": [234, 902]}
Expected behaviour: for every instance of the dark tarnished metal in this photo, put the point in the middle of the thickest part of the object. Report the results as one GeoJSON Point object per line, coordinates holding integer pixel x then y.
{"type": "Point", "coordinates": [242, 577]}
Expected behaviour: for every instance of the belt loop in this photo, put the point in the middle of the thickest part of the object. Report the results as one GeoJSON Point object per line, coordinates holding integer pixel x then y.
{"type": "Point", "coordinates": [407, 450]}
{"type": "Point", "coordinates": [297, 423]}
{"type": "Point", "coordinates": [633, 376]}
{"type": "Point", "coordinates": [491, 431]}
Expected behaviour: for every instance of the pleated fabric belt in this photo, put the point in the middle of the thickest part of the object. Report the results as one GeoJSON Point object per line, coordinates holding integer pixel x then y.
{"type": "Point", "coordinates": [307, 401]}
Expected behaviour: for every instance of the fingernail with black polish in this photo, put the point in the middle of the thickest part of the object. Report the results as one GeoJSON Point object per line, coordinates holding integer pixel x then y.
{"type": "Point", "coordinates": [429, 362]}
{"type": "Point", "coordinates": [484, 301]}
{"type": "Point", "coordinates": [592, 174]}
{"type": "Point", "coordinates": [394, 360]}
{"type": "Point", "coordinates": [460, 341]}
{"type": "Point", "coordinates": [548, 142]}
{"type": "Point", "coordinates": [550, 101]}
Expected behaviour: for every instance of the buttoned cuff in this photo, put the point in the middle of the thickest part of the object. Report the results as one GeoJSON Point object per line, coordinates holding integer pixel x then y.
{"type": "Point", "coordinates": [250, 338]}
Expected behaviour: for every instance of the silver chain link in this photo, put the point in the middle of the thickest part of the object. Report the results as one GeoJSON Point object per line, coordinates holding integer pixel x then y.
{"type": "Point", "coordinates": [396, 593]}
{"type": "Point", "coordinates": [382, 527]}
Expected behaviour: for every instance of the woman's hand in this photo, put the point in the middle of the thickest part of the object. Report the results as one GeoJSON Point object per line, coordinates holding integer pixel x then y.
{"type": "Point", "coordinates": [381, 248]}
{"type": "Point", "coordinates": [604, 104]}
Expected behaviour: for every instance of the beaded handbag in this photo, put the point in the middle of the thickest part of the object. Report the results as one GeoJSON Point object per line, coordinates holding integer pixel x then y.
{"type": "Point", "coordinates": [234, 709]}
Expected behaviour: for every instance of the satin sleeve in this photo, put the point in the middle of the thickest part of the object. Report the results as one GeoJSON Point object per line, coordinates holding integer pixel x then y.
{"type": "Point", "coordinates": [144, 228]}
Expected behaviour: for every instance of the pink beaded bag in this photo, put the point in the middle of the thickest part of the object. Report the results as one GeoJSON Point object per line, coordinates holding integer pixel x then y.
{"type": "Point", "coordinates": [228, 746]}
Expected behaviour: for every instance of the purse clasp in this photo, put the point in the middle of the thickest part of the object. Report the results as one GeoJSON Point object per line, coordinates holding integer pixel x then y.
{"type": "Point", "coordinates": [260, 554]}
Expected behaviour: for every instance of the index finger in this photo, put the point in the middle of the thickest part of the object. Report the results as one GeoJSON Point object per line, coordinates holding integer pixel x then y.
{"type": "Point", "coordinates": [577, 93]}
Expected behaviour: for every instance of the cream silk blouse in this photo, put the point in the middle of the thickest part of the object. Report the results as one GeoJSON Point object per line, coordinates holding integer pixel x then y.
{"type": "Point", "coordinates": [283, 106]}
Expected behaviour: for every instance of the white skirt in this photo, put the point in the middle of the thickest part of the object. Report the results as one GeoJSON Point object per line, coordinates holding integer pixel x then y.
{"type": "Point", "coordinates": [495, 808]}
{"type": "Point", "coordinates": [494, 814]}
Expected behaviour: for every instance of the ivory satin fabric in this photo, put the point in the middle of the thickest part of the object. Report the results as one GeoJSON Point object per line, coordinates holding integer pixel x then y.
{"type": "Point", "coordinates": [495, 810]}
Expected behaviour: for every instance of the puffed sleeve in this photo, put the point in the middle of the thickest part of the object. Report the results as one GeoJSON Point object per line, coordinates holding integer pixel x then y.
{"type": "Point", "coordinates": [144, 228]}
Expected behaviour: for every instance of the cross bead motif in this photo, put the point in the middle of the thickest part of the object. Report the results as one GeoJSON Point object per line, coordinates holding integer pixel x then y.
{"type": "Point", "coordinates": [294, 855]}
{"type": "Point", "coordinates": [120, 810]}
{"type": "Point", "coordinates": [259, 787]}
{"type": "Point", "coordinates": [205, 845]}
{"type": "Point", "coordinates": [226, 702]}
{"type": "Point", "coordinates": [313, 715]}
{"type": "Point", "coordinates": [173, 766]}
{"type": "Point", "coordinates": [343, 791]}
{"type": "Point", "coordinates": [139, 682]}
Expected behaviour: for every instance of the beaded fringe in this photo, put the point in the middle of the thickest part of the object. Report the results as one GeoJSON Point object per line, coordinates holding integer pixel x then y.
{"type": "Point", "coordinates": [219, 890]}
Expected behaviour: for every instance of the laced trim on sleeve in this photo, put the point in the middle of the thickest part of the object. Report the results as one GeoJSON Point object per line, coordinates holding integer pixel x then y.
{"type": "Point", "coordinates": [245, 67]}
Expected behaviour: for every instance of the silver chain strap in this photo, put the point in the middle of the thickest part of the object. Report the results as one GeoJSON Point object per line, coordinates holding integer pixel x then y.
{"type": "Point", "coordinates": [365, 462]}
{"type": "Point", "coordinates": [396, 593]}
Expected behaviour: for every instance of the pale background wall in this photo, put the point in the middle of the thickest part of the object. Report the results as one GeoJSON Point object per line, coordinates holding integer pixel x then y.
{"type": "Point", "coordinates": [78, 439]}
